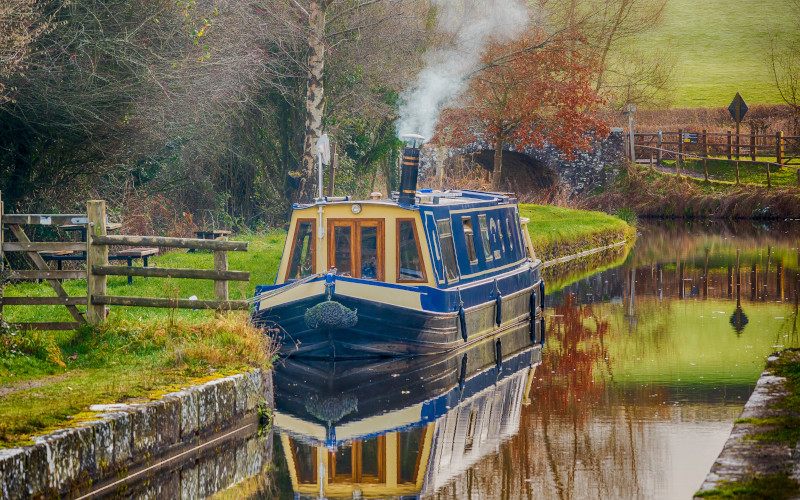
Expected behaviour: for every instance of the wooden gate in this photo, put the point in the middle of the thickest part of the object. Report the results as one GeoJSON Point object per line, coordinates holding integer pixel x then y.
{"type": "Point", "coordinates": [95, 252]}
{"type": "Point", "coordinates": [31, 249]}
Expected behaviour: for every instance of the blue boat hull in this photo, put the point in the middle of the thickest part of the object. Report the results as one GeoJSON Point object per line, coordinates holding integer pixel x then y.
{"type": "Point", "coordinates": [389, 330]}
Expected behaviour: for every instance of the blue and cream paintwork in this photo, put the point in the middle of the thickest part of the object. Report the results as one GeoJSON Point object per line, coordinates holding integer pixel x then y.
{"type": "Point", "coordinates": [490, 293]}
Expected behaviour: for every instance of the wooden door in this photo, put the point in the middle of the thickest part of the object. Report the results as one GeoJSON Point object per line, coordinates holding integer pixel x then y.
{"type": "Point", "coordinates": [357, 247]}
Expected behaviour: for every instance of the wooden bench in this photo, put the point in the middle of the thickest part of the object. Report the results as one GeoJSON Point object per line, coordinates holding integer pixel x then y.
{"type": "Point", "coordinates": [212, 234]}
{"type": "Point", "coordinates": [134, 253]}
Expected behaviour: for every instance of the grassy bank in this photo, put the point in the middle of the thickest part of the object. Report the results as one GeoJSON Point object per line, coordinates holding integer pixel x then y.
{"type": "Point", "coordinates": [557, 231]}
{"type": "Point", "coordinates": [655, 194]}
{"type": "Point", "coordinates": [47, 376]}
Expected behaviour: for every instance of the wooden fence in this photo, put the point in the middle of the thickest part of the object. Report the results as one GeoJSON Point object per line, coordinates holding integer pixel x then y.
{"type": "Point", "coordinates": [784, 149]}
{"type": "Point", "coordinates": [96, 248]}
{"type": "Point", "coordinates": [775, 150]}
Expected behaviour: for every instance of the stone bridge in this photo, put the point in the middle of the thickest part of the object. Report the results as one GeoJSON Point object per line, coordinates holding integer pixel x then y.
{"type": "Point", "coordinates": [589, 170]}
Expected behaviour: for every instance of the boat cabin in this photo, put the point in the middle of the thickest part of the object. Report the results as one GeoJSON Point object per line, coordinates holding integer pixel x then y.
{"type": "Point", "coordinates": [445, 238]}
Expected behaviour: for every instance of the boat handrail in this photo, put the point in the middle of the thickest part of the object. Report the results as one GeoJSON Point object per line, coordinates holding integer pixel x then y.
{"type": "Point", "coordinates": [285, 288]}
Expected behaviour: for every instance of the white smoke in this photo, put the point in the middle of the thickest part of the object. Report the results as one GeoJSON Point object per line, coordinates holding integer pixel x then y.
{"type": "Point", "coordinates": [471, 24]}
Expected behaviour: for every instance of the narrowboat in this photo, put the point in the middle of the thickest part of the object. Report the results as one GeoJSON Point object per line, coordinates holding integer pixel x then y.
{"type": "Point", "coordinates": [400, 427]}
{"type": "Point", "coordinates": [419, 272]}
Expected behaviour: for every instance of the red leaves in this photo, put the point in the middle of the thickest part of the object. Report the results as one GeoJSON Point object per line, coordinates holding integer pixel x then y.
{"type": "Point", "coordinates": [531, 91]}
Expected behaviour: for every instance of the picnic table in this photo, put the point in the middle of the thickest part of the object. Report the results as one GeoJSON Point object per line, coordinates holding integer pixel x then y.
{"type": "Point", "coordinates": [127, 255]}
{"type": "Point", "coordinates": [211, 234]}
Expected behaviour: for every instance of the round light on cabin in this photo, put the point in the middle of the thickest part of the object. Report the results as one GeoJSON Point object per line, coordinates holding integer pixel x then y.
{"type": "Point", "coordinates": [355, 208]}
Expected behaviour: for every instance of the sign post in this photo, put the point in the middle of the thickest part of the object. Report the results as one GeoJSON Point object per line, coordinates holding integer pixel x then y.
{"type": "Point", "coordinates": [738, 109]}
{"type": "Point", "coordinates": [629, 109]}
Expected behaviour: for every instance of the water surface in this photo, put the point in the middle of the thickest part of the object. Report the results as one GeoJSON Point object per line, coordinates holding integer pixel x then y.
{"type": "Point", "coordinates": [646, 365]}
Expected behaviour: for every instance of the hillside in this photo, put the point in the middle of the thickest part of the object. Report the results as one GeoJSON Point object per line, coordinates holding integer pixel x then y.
{"type": "Point", "coordinates": [720, 47]}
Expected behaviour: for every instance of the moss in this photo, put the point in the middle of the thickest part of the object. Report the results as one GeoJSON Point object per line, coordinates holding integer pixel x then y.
{"type": "Point", "coordinates": [782, 428]}
{"type": "Point", "coordinates": [773, 487]}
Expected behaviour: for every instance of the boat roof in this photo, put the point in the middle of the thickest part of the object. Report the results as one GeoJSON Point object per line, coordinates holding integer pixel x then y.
{"type": "Point", "coordinates": [451, 198]}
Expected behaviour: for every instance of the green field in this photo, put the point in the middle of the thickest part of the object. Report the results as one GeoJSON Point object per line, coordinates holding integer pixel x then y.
{"type": "Point", "coordinates": [720, 48]}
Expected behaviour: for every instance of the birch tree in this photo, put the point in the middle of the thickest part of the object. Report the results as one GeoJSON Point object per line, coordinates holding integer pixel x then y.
{"type": "Point", "coordinates": [333, 27]}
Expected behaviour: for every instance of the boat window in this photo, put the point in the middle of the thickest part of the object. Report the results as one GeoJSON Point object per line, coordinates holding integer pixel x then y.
{"type": "Point", "coordinates": [469, 235]}
{"type": "Point", "coordinates": [356, 247]}
{"type": "Point", "coordinates": [410, 449]}
{"type": "Point", "coordinates": [373, 460]}
{"type": "Point", "coordinates": [340, 463]}
{"type": "Point", "coordinates": [448, 250]}
{"type": "Point", "coordinates": [369, 251]}
{"type": "Point", "coordinates": [342, 253]}
{"type": "Point", "coordinates": [409, 266]}
{"type": "Point", "coordinates": [497, 236]}
{"type": "Point", "coordinates": [302, 263]}
{"type": "Point", "coordinates": [510, 235]}
{"type": "Point", "coordinates": [305, 461]}
{"type": "Point", "coordinates": [487, 249]}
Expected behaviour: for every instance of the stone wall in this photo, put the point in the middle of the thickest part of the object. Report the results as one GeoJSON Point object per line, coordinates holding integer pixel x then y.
{"type": "Point", "coordinates": [119, 437]}
{"type": "Point", "coordinates": [590, 170]}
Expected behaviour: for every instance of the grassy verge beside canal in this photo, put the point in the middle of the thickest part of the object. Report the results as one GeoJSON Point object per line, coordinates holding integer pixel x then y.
{"type": "Point", "coordinates": [46, 377]}
{"type": "Point", "coordinates": [652, 193]}
{"type": "Point", "coordinates": [558, 232]}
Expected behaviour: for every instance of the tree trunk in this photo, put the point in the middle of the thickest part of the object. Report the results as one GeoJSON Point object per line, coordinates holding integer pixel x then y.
{"type": "Point", "coordinates": [498, 163]}
{"type": "Point", "coordinates": [315, 103]}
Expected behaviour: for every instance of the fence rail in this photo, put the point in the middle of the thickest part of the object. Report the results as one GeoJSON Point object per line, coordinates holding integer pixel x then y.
{"type": "Point", "coordinates": [657, 147]}
{"type": "Point", "coordinates": [96, 253]}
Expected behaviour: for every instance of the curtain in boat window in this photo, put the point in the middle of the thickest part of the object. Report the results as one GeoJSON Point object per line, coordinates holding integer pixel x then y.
{"type": "Point", "coordinates": [487, 248]}
{"type": "Point", "coordinates": [302, 263]}
{"type": "Point", "coordinates": [410, 262]}
{"type": "Point", "coordinates": [448, 250]}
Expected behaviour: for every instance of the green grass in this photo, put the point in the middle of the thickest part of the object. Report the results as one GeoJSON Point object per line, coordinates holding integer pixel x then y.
{"type": "Point", "coordinates": [555, 225]}
{"type": "Point", "coordinates": [749, 173]}
{"type": "Point", "coordinates": [139, 353]}
{"type": "Point", "coordinates": [142, 352]}
{"type": "Point", "coordinates": [720, 48]}
{"type": "Point", "coordinates": [772, 487]}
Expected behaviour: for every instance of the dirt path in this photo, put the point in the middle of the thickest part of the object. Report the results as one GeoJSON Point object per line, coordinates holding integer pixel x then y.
{"type": "Point", "coordinates": [24, 385]}
{"type": "Point", "coordinates": [685, 173]}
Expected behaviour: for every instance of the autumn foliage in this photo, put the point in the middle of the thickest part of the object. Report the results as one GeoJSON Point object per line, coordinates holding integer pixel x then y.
{"type": "Point", "coordinates": [530, 92]}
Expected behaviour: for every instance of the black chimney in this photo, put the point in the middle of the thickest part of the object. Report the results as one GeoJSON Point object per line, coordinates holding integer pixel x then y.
{"type": "Point", "coordinates": [408, 176]}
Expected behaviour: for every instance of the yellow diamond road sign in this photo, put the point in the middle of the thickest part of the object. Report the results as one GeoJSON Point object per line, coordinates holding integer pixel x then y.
{"type": "Point", "coordinates": [738, 108]}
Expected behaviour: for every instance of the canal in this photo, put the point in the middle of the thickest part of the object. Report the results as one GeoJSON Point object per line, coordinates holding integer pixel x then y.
{"type": "Point", "coordinates": [649, 355]}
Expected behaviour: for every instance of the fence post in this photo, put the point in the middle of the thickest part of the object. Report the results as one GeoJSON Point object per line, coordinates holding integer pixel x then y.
{"type": "Point", "coordinates": [221, 264]}
{"type": "Point", "coordinates": [753, 144]}
{"type": "Point", "coordinates": [779, 147]}
{"type": "Point", "coordinates": [96, 255]}
{"type": "Point", "coordinates": [678, 157]}
{"type": "Point", "coordinates": [705, 142]}
{"type": "Point", "coordinates": [730, 143]}
{"type": "Point", "coordinates": [660, 145]}
{"type": "Point", "coordinates": [769, 185]}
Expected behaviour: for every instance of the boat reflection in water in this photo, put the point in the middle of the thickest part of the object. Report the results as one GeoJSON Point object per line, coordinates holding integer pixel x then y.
{"type": "Point", "coordinates": [401, 427]}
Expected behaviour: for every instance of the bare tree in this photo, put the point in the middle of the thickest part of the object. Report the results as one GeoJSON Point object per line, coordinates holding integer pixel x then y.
{"type": "Point", "coordinates": [22, 23]}
{"type": "Point", "coordinates": [368, 29]}
{"type": "Point", "coordinates": [785, 58]}
{"type": "Point", "coordinates": [626, 75]}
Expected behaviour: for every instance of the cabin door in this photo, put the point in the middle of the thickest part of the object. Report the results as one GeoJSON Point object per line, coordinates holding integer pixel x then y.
{"type": "Point", "coordinates": [356, 248]}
